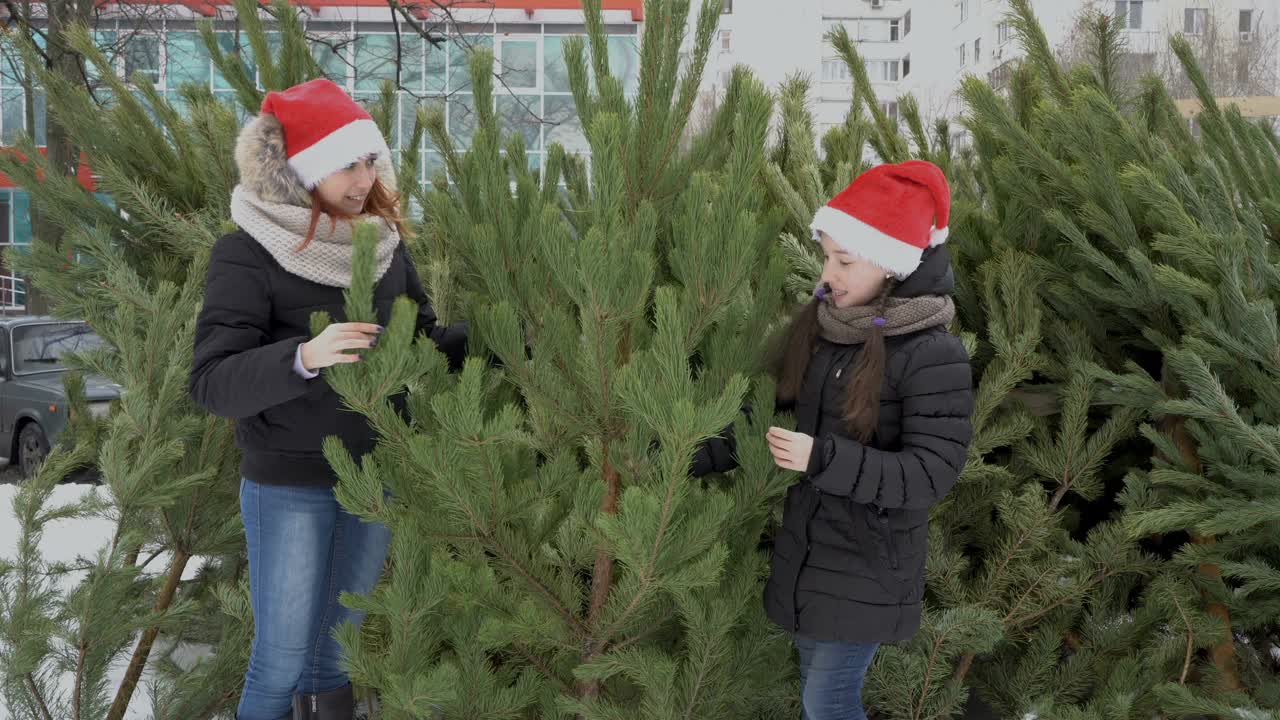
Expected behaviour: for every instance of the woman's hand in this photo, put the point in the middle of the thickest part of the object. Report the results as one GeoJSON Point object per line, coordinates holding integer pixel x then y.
{"type": "Point", "coordinates": [329, 347]}
{"type": "Point", "coordinates": [791, 450]}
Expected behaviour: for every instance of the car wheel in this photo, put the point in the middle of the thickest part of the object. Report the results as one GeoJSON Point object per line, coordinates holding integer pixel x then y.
{"type": "Point", "coordinates": [33, 448]}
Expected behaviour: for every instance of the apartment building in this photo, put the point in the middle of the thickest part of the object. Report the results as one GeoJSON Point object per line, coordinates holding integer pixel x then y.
{"type": "Point", "coordinates": [926, 47]}
{"type": "Point", "coordinates": [976, 39]}
{"type": "Point", "coordinates": [778, 40]}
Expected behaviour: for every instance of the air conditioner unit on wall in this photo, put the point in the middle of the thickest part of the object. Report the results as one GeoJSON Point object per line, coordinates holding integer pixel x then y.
{"type": "Point", "coordinates": [877, 3]}
{"type": "Point", "coordinates": [1246, 37]}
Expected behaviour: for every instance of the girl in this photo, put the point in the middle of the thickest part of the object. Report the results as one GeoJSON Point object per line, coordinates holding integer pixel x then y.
{"type": "Point", "coordinates": [882, 398]}
{"type": "Point", "coordinates": [310, 164]}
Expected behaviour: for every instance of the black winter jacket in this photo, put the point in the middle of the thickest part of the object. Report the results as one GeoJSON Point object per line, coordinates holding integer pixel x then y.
{"type": "Point", "coordinates": [255, 315]}
{"type": "Point", "coordinates": [848, 561]}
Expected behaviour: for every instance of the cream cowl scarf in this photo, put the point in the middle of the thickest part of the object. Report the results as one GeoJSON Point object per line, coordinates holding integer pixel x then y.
{"type": "Point", "coordinates": [281, 228]}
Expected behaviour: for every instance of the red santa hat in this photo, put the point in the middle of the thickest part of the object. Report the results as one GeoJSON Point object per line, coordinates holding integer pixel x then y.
{"type": "Point", "coordinates": [889, 215]}
{"type": "Point", "coordinates": [324, 129]}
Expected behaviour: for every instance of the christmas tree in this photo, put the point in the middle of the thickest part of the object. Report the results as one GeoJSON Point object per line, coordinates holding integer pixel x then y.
{"type": "Point", "coordinates": [170, 583]}
{"type": "Point", "coordinates": [1048, 593]}
{"type": "Point", "coordinates": [551, 555]}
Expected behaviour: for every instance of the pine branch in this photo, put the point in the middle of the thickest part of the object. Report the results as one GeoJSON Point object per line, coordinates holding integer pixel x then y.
{"type": "Point", "coordinates": [1191, 642]}
{"type": "Point", "coordinates": [553, 602]}
{"type": "Point", "coordinates": [76, 698]}
{"type": "Point", "coordinates": [1025, 620]}
{"type": "Point", "coordinates": [37, 698]}
{"type": "Point", "coordinates": [917, 713]}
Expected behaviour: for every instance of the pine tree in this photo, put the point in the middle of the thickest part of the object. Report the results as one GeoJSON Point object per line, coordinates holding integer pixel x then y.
{"type": "Point", "coordinates": [1161, 256]}
{"type": "Point", "coordinates": [1155, 289]}
{"type": "Point", "coordinates": [1046, 593]}
{"type": "Point", "coordinates": [551, 556]}
{"type": "Point", "coordinates": [172, 577]}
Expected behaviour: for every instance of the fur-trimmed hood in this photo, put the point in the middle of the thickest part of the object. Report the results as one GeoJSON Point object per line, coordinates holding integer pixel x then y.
{"type": "Point", "coordinates": [264, 165]}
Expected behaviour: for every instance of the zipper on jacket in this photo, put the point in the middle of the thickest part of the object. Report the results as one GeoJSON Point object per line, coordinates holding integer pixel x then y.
{"type": "Point", "coordinates": [882, 516]}
{"type": "Point", "coordinates": [808, 547]}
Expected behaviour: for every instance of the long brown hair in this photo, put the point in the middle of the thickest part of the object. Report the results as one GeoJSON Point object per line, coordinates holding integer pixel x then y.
{"type": "Point", "coordinates": [862, 400]}
{"type": "Point", "coordinates": [381, 202]}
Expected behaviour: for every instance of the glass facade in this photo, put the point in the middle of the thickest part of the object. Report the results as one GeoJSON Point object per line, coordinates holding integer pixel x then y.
{"type": "Point", "coordinates": [532, 95]}
{"type": "Point", "coordinates": [531, 83]}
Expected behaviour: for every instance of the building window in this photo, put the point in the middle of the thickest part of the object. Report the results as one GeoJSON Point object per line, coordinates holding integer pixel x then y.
{"type": "Point", "coordinates": [1195, 20]}
{"type": "Point", "coordinates": [6, 223]}
{"type": "Point", "coordinates": [186, 60]}
{"type": "Point", "coordinates": [999, 77]}
{"type": "Point", "coordinates": [874, 31]}
{"type": "Point", "coordinates": [14, 217]}
{"type": "Point", "coordinates": [142, 56]}
{"type": "Point", "coordinates": [1246, 22]}
{"type": "Point", "coordinates": [882, 70]}
{"type": "Point", "coordinates": [836, 71]}
{"type": "Point", "coordinates": [906, 24]}
{"type": "Point", "coordinates": [520, 63]}
{"type": "Point", "coordinates": [726, 41]}
{"type": "Point", "coordinates": [13, 115]}
{"type": "Point", "coordinates": [906, 66]}
{"type": "Point", "coordinates": [977, 50]}
{"type": "Point", "coordinates": [376, 60]}
{"type": "Point", "coordinates": [1004, 33]}
{"type": "Point", "coordinates": [963, 55]}
{"type": "Point", "coordinates": [890, 108]}
{"type": "Point", "coordinates": [964, 10]}
{"type": "Point", "coordinates": [895, 30]}
{"type": "Point", "coordinates": [726, 7]}
{"type": "Point", "coordinates": [1129, 13]}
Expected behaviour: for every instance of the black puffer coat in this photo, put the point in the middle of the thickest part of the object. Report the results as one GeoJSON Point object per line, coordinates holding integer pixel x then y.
{"type": "Point", "coordinates": [848, 561]}
{"type": "Point", "coordinates": [255, 315]}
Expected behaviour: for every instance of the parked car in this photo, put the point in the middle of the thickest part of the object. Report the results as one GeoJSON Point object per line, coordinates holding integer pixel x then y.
{"type": "Point", "coordinates": [33, 403]}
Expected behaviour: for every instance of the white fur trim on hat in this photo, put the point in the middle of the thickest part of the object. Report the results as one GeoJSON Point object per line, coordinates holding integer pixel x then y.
{"type": "Point", "coordinates": [937, 235]}
{"type": "Point", "coordinates": [859, 238]}
{"type": "Point", "coordinates": [338, 149]}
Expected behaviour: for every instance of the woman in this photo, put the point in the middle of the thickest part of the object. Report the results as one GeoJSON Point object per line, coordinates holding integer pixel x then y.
{"type": "Point", "coordinates": [311, 164]}
{"type": "Point", "coordinates": [882, 398]}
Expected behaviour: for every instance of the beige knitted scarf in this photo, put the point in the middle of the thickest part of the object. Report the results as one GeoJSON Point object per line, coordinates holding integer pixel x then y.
{"type": "Point", "coordinates": [281, 229]}
{"type": "Point", "coordinates": [902, 316]}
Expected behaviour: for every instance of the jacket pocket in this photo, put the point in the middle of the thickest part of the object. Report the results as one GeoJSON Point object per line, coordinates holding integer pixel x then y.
{"type": "Point", "coordinates": [886, 533]}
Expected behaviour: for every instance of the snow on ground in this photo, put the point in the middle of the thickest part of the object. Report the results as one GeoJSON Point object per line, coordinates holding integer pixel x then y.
{"type": "Point", "coordinates": [63, 542]}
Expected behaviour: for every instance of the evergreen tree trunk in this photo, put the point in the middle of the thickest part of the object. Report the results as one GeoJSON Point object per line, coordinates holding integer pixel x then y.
{"type": "Point", "coordinates": [1223, 652]}
{"type": "Point", "coordinates": [575, 569]}
{"type": "Point", "coordinates": [143, 650]}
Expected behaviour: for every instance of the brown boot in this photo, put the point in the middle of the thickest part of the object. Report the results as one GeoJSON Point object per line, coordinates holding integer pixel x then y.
{"type": "Point", "coordinates": [337, 704]}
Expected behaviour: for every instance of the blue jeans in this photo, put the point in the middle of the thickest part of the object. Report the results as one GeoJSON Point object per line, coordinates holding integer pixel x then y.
{"type": "Point", "coordinates": [831, 675]}
{"type": "Point", "coordinates": [304, 550]}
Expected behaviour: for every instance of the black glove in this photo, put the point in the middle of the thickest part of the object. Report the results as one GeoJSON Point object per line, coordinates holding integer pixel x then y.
{"type": "Point", "coordinates": [718, 454]}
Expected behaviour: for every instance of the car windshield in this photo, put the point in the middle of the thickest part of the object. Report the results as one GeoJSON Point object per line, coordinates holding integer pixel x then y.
{"type": "Point", "coordinates": [40, 348]}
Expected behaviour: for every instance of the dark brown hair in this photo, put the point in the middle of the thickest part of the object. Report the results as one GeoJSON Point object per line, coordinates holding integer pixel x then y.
{"type": "Point", "coordinates": [381, 202]}
{"type": "Point", "coordinates": [862, 402]}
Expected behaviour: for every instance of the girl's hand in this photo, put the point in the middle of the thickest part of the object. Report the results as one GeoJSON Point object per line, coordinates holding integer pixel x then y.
{"type": "Point", "coordinates": [791, 450]}
{"type": "Point", "coordinates": [329, 347]}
